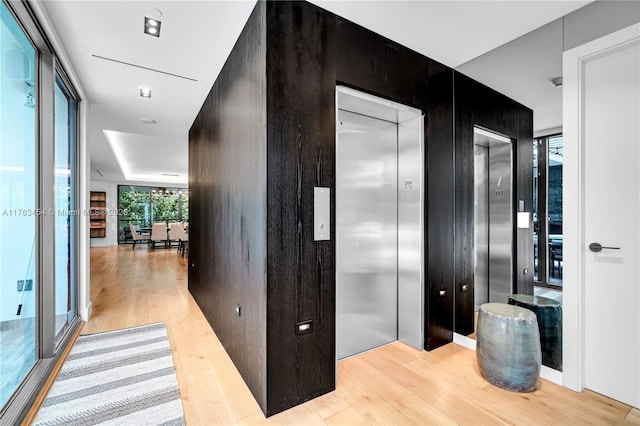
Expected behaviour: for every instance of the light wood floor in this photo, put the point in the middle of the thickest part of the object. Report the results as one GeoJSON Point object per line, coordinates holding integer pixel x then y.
{"type": "Point", "coordinates": [394, 384]}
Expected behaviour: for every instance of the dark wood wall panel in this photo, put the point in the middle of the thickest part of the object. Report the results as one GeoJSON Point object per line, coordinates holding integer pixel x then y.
{"type": "Point", "coordinates": [440, 244]}
{"type": "Point", "coordinates": [227, 183]}
{"type": "Point", "coordinates": [309, 52]}
{"type": "Point", "coordinates": [476, 104]}
{"type": "Point", "coordinates": [524, 267]}
{"type": "Point", "coordinates": [301, 146]}
{"type": "Point", "coordinates": [265, 137]}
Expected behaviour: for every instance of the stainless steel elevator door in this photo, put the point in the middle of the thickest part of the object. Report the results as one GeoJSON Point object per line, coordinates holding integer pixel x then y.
{"type": "Point", "coordinates": [481, 225]}
{"type": "Point", "coordinates": [366, 233]}
{"type": "Point", "coordinates": [493, 218]}
{"type": "Point", "coordinates": [500, 223]}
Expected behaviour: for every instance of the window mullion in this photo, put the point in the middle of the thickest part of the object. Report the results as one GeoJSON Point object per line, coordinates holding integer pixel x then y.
{"type": "Point", "coordinates": [46, 244]}
{"type": "Point", "coordinates": [543, 210]}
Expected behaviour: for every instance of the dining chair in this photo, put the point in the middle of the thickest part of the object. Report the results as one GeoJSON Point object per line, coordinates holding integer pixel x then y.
{"type": "Point", "coordinates": [174, 233]}
{"type": "Point", "coordinates": [158, 233]}
{"type": "Point", "coordinates": [184, 240]}
{"type": "Point", "coordinates": [136, 237]}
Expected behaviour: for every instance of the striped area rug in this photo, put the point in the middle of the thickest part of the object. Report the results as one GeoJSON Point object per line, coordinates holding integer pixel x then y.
{"type": "Point", "coordinates": [122, 377]}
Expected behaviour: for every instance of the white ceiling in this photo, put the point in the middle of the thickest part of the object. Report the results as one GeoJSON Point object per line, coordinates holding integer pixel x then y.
{"type": "Point", "coordinates": [197, 37]}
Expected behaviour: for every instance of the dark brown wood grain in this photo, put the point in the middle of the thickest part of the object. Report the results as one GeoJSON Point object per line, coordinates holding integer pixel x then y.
{"type": "Point", "coordinates": [300, 156]}
{"type": "Point", "coordinates": [265, 137]}
{"type": "Point", "coordinates": [227, 206]}
{"type": "Point", "coordinates": [477, 104]}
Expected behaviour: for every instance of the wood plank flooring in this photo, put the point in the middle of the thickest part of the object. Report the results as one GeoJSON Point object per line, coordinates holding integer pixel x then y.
{"type": "Point", "coordinates": [394, 384]}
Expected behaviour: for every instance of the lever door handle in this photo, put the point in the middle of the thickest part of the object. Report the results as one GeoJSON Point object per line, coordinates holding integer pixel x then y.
{"type": "Point", "coordinates": [597, 247]}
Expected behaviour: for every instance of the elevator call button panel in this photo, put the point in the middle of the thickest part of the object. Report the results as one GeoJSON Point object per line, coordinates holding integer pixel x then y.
{"type": "Point", "coordinates": [321, 214]}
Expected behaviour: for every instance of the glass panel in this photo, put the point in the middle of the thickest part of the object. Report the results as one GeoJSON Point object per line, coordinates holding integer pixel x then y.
{"type": "Point", "coordinates": [165, 206]}
{"type": "Point", "coordinates": [141, 206]}
{"type": "Point", "coordinates": [555, 209]}
{"type": "Point", "coordinates": [18, 200]}
{"type": "Point", "coordinates": [536, 226]}
{"type": "Point", "coordinates": [134, 207]}
{"type": "Point", "coordinates": [65, 217]}
{"type": "Point", "coordinates": [185, 207]}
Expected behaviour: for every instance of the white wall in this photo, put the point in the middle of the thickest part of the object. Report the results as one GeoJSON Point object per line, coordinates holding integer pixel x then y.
{"type": "Point", "coordinates": [598, 19]}
{"type": "Point", "coordinates": [523, 68]}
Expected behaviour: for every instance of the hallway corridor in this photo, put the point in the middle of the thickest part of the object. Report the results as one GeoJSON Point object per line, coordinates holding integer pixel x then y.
{"type": "Point", "coordinates": [393, 384]}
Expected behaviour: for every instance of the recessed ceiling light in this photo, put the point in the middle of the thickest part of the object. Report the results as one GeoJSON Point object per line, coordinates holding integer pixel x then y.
{"type": "Point", "coordinates": [145, 92]}
{"type": "Point", "coordinates": [152, 26]}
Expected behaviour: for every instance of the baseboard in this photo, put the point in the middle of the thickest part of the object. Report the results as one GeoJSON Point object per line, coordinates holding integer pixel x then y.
{"type": "Point", "coordinates": [85, 313]}
{"type": "Point", "coordinates": [554, 376]}
{"type": "Point", "coordinates": [465, 341]}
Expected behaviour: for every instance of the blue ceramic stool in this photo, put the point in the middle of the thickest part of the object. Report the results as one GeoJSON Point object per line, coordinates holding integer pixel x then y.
{"type": "Point", "coordinates": [549, 314]}
{"type": "Point", "coordinates": [508, 346]}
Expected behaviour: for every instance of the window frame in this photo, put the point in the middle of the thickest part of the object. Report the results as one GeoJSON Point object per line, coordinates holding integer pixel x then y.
{"type": "Point", "coordinates": [48, 348]}
{"type": "Point", "coordinates": [151, 190]}
{"type": "Point", "coordinates": [542, 211]}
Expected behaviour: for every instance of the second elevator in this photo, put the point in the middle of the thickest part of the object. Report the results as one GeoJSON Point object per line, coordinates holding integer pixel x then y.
{"type": "Point", "coordinates": [493, 217]}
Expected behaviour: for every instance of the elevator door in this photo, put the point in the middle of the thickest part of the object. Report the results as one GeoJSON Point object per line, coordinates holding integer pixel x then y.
{"type": "Point", "coordinates": [367, 233]}
{"type": "Point", "coordinates": [481, 230]}
{"type": "Point", "coordinates": [493, 218]}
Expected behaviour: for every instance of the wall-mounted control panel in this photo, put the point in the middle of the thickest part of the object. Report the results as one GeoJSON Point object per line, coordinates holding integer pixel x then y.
{"type": "Point", "coordinates": [321, 214]}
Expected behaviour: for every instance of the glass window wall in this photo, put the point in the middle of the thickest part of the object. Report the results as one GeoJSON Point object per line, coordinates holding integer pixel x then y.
{"type": "Point", "coordinates": [18, 222]}
{"type": "Point", "coordinates": [65, 206]}
{"type": "Point", "coordinates": [548, 217]}
{"type": "Point", "coordinates": [141, 206]}
{"type": "Point", "coordinates": [38, 218]}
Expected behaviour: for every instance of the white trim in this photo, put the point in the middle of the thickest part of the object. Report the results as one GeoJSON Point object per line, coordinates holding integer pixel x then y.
{"type": "Point", "coordinates": [551, 375]}
{"type": "Point", "coordinates": [376, 99]}
{"type": "Point", "coordinates": [547, 132]}
{"type": "Point", "coordinates": [491, 135]}
{"type": "Point", "coordinates": [573, 348]}
{"type": "Point", "coordinates": [85, 313]}
{"type": "Point", "coordinates": [464, 341]}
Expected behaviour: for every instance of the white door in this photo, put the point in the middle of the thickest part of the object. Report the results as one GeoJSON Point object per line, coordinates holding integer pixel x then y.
{"type": "Point", "coordinates": [605, 76]}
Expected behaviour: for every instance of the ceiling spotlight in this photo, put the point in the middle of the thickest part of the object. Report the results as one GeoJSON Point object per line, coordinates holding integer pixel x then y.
{"type": "Point", "coordinates": [152, 26]}
{"type": "Point", "coordinates": [145, 92]}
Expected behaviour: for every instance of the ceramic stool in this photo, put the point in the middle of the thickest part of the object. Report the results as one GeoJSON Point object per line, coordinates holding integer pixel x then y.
{"type": "Point", "coordinates": [549, 314]}
{"type": "Point", "coordinates": [508, 346]}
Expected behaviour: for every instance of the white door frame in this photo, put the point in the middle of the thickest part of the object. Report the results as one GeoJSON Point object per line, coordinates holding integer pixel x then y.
{"type": "Point", "coordinates": [574, 244]}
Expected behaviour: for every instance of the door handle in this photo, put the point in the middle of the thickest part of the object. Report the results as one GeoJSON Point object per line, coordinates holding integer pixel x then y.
{"type": "Point", "coordinates": [597, 247]}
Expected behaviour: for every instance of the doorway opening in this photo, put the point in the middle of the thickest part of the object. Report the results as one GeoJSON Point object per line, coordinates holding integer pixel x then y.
{"type": "Point", "coordinates": [493, 217]}
{"type": "Point", "coordinates": [379, 223]}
